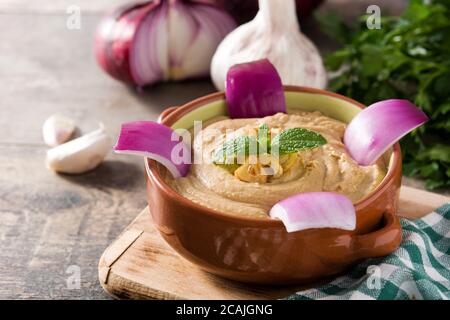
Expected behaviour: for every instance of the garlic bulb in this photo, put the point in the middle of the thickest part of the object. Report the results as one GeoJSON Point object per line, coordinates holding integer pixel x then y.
{"type": "Point", "coordinates": [81, 154]}
{"type": "Point", "coordinates": [147, 42]}
{"type": "Point", "coordinates": [57, 129]}
{"type": "Point", "coordinates": [273, 34]}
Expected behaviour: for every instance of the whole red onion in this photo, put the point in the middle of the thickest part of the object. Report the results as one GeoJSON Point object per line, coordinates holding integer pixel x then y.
{"type": "Point", "coordinates": [152, 41]}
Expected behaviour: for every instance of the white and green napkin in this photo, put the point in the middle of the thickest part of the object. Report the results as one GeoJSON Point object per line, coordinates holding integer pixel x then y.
{"type": "Point", "coordinates": [419, 269]}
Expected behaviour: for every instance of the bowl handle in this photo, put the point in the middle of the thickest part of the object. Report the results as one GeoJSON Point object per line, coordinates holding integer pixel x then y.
{"type": "Point", "coordinates": [165, 113]}
{"type": "Point", "coordinates": [382, 241]}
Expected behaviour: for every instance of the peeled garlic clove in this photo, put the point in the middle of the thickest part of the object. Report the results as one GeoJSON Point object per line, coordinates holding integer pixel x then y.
{"type": "Point", "coordinates": [273, 34]}
{"type": "Point", "coordinates": [57, 129]}
{"type": "Point", "coordinates": [81, 154]}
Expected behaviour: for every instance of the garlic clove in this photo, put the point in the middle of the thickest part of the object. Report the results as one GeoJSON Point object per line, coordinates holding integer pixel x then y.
{"type": "Point", "coordinates": [81, 154]}
{"type": "Point", "coordinates": [273, 34]}
{"type": "Point", "coordinates": [228, 53]}
{"type": "Point", "coordinates": [57, 129]}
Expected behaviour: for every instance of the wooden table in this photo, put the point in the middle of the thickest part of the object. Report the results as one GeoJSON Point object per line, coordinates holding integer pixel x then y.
{"type": "Point", "coordinates": [53, 225]}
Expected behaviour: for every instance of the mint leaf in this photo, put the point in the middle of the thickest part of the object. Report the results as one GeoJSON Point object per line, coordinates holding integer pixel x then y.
{"type": "Point", "coordinates": [244, 146]}
{"type": "Point", "coordinates": [241, 146]}
{"type": "Point", "coordinates": [296, 139]}
{"type": "Point", "coordinates": [264, 138]}
{"type": "Point", "coordinates": [263, 129]}
{"type": "Point", "coordinates": [288, 141]}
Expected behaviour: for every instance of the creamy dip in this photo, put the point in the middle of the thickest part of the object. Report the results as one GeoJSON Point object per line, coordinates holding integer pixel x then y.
{"type": "Point", "coordinates": [325, 168]}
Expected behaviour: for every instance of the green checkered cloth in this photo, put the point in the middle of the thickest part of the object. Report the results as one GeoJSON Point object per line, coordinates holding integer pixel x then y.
{"type": "Point", "coordinates": [419, 269]}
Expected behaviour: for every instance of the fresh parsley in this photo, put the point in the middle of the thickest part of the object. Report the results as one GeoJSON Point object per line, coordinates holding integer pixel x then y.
{"type": "Point", "coordinates": [409, 57]}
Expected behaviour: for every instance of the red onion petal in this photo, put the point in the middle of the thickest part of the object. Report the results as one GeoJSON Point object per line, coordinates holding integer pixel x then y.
{"type": "Point", "coordinates": [155, 141]}
{"type": "Point", "coordinates": [315, 210]}
{"type": "Point", "coordinates": [379, 126]}
{"type": "Point", "coordinates": [254, 90]}
{"type": "Point", "coordinates": [184, 30]}
{"type": "Point", "coordinates": [149, 52]}
{"type": "Point", "coordinates": [197, 30]}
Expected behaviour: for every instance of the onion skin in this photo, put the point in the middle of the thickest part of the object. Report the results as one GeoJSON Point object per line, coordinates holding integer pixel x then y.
{"type": "Point", "coordinates": [315, 210]}
{"type": "Point", "coordinates": [155, 141]}
{"type": "Point", "coordinates": [379, 126]}
{"type": "Point", "coordinates": [116, 40]}
{"type": "Point", "coordinates": [254, 90]}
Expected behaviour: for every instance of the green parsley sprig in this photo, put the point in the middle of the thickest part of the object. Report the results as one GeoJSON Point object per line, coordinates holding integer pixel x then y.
{"type": "Point", "coordinates": [409, 58]}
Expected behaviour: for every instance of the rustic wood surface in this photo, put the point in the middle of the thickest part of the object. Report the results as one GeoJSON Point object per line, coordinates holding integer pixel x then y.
{"type": "Point", "coordinates": [50, 223]}
{"type": "Point", "coordinates": [140, 265]}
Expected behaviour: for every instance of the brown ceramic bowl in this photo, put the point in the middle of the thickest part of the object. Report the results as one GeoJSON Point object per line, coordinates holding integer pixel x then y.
{"type": "Point", "coordinates": [261, 251]}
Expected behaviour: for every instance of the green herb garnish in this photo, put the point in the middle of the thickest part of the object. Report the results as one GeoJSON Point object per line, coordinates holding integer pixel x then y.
{"type": "Point", "coordinates": [288, 141]}
{"type": "Point", "coordinates": [264, 138]}
{"type": "Point", "coordinates": [239, 147]}
{"type": "Point", "coordinates": [296, 139]}
{"type": "Point", "coordinates": [407, 58]}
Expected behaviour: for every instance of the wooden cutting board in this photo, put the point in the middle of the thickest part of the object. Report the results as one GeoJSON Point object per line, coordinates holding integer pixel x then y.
{"type": "Point", "coordinates": [140, 265]}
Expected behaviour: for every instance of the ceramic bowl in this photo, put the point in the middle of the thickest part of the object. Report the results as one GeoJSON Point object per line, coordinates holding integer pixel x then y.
{"type": "Point", "coordinates": [261, 251]}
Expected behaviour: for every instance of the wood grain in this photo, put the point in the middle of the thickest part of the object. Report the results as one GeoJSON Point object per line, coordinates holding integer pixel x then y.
{"type": "Point", "coordinates": [415, 203]}
{"type": "Point", "coordinates": [140, 265]}
{"type": "Point", "coordinates": [50, 222]}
